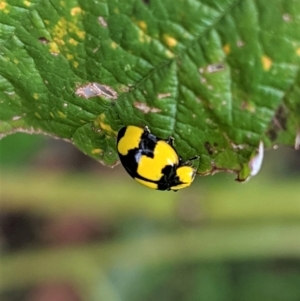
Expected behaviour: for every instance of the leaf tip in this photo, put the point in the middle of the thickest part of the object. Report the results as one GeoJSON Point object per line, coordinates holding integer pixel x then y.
{"type": "Point", "coordinates": [253, 167]}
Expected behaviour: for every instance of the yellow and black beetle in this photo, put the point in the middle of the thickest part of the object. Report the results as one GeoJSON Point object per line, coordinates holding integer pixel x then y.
{"type": "Point", "coordinates": [153, 161]}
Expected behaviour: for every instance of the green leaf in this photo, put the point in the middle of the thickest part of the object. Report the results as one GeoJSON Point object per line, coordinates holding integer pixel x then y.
{"type": "Point", "coordinates": [219, 76]}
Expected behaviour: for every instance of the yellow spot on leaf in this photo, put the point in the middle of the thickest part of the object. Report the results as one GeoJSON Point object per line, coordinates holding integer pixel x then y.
{"type": "Point", "coordinates": [266, 62]}
{"type": "Point", "coordinates": [35, 96]}
{"type": "Point", "coordinates": [3, 4]}
{"type": "Point", "coordinates": [61, 114]}
{"type": "Point", "coordinates": [170, 41]}
{"type": "Point", "coordinates": [81, 34]}
{"type": "Point", "coordinates": [143, 37]}
{"type": "Point", "coordinates": [113, 45]}
{"type": "Point", "coordinates": [116, 10]}
{"type": "Point", "coordinates": [63, 28]}
{"type": "Point", "coordinates": [75, 64]}
{"type": "Point", "coordinates": [169, 54]}
{"type": "Point", "coordinates": [226, 48]}
{"type": "Point", "coordinates": [27, 3]}
{"type": "Point", "coordinates": [70, 56]}
{"type": "Point", "coordinates": [248, 106]}
{"type": "Point", "coordinates": [73, 42]}
{"type": "Point", "coordinates": [4, 7]}
{"type": "Point", "coordinates": [104, 125]}
{"type": "Point", "coordinates": [298, 51]}
{"type": "Point", "coordinates": [16, 61]}
{"type": "Point", "coordinates": [60, 29]}
{"type": "Point", "coordinates": [54, 48]}
{"type": "Point", "coordinates": [46, 21]}
{"type": "Point", "coordinates": [59, 41]}
{"type": "Point", "coordinates": [75, 11]}
{"type": "Point", "coordinates": [97, 151]}
{"type": "Point", "coordinates": [142, 25]}
{"type": "Point", "coordinates": [38, 115]}
{"type": "Point", "coordinates": [51, 114]}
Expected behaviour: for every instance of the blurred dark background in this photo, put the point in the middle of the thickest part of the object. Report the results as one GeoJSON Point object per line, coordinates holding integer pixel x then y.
{"type": "Point", "coordinates": [72, 229]}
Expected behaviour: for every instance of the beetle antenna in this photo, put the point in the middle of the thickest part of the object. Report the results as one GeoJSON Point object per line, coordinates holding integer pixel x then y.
{"type": "Point", "coordinates": [194, 158]}
{"type": "Point", "coordinates": [171, 140]}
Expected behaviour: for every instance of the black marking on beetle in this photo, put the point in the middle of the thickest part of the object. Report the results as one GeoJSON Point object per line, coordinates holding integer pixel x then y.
{"type": "Point", "coordinates": [121, 133]}
{"type": "Point", "coordinates": [148, 143]}
{"type": "Point", "coordinates": [131, 165]}
{"type": "Point", "coordinates": [169, 178]}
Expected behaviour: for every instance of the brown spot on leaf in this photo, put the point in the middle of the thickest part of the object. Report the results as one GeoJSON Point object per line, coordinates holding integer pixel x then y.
{"type": "Point", "coordinates": [43, 40]}
{"type": "Point", "coordinates": [209, 147]}
{"type": "Point", "coordinates": [215, 67]}
{"type": "Point", "coordinates": [278, 123]}
{"type": "Point", "coordinates": [215, 169]}
{"type": "Point", "coordinates": [145, 108]}
{"type": "Point", "coordinates": [95, 90]}
{"type": "Point", "coordinates": [272, 134]}
{"type": "Point", "coordinates": [102, 21]}
{"type": "Point", "coordinates": [248, 106]}
{"type": "Point", "coordinates": [286, 17]}
{"type": "Point", "coordinates": [240, 43]}
{"type": "Point", "coordinates": [163, 95]}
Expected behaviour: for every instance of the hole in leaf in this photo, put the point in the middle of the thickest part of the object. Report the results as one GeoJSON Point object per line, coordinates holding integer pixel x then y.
{"type": "Point", "coordinates": [96, 90]}
{"type": "Point", "coordinates": [43, 40]}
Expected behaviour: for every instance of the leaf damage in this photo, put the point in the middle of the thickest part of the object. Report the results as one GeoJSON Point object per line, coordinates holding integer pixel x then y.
{"type": "Point", "coordinates": [278, 123]}
{"type": "Point", "coordinates": [102, 21]}
{"type": "Point", "coordinates": [96, 90]}
{"type": "Point", "coordinates": [143, 107]}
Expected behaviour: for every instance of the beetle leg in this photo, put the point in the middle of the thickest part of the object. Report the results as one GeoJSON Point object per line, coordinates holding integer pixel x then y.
{"type": "Point", "coordinates": [171, 140]}
{"type": "Point", "coordinates": [194, 158]}
{"type": "Point", "coordinates": [188, 162]}
{"type": "Point", "coordinates": [146, 129]}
